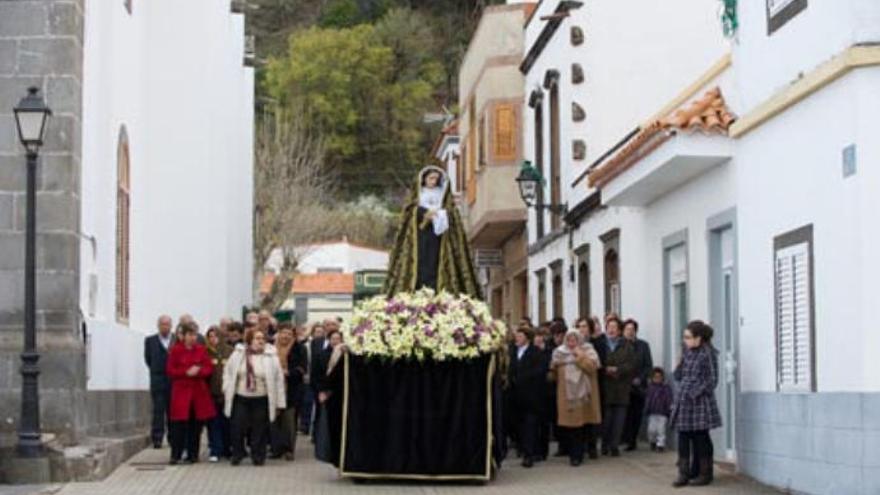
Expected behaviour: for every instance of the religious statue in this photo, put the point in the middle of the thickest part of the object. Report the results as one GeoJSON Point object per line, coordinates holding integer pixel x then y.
{"type": "Point", "coordinates": [431, 248]}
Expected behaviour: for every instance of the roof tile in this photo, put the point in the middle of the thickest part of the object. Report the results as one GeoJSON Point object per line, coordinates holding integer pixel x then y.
{"type": "Point", "coordinates": [708, 115]}
{"type": "Point", "coordinates": [323, 283]}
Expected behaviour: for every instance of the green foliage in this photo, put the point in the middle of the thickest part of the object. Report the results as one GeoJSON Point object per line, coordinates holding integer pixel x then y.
{"type": "Point", "coordinates": [341, 13]}
{"type": "Point", "coordinates": [365, 72]}
{"type": "Point", "coordinates": [364, 89]}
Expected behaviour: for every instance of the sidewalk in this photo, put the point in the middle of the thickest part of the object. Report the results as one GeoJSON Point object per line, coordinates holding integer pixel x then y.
{"type": "Point", "coordinates": [636, 473]}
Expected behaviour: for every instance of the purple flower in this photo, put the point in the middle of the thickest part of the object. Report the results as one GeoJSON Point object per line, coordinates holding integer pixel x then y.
{"type": "Point", "coordinates": [394, 307]}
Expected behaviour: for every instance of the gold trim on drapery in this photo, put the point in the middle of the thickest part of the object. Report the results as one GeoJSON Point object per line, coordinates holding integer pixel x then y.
{"type": "Point", "coordinates": [487, 476]}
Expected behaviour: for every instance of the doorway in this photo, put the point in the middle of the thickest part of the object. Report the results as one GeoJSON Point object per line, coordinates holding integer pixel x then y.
{"type": "Point", "coordinates": [676, 298]}
{"type": "Point", "coordinates": [725, 320]}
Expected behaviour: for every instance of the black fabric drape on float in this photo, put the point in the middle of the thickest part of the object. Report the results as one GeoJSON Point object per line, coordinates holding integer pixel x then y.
{"type": "Point", "coordinates": [419, 420]}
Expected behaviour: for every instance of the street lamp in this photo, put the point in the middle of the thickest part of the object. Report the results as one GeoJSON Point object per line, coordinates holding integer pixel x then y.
{"type": "Point", "coordinates": [529, 180]}
{"type": "Point", "coordinates": [31, 115]}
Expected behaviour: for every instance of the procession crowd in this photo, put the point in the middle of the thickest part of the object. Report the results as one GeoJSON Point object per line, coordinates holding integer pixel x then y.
{"type": "Point", "coordinates": [253, 384]}
{"type": "Point", "coordinates": [590, 385]}
{"type": "Point", "coordinates": [256, 384]}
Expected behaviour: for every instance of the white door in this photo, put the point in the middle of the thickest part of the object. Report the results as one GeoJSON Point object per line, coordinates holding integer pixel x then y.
{"type": "Point", "coordinates": [726, 325]}
{"type": "Point", "coordinates": [678, 300]}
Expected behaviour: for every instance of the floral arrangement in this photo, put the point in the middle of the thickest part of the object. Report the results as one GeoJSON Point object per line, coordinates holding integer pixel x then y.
{"type": "Point", "coordinates": [423, 325]}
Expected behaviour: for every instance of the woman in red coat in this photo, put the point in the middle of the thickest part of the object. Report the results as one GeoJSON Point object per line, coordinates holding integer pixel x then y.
{"type": "Point", "coordinates": [189, 368]}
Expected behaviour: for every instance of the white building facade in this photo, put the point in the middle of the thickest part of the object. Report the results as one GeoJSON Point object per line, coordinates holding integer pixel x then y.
{"type": "Point", "coordinates": [167, 122]}
{"type": "Point", "coordinates": [333, 257]}
{"type": "Point", "coordinates": [742, 198]}
{"type": "Point", "coordinates": [144, 200]}
{"type": "Point", "coordinates": [808, 75]}
{"type": "Point", "coordinates": [589, 85]}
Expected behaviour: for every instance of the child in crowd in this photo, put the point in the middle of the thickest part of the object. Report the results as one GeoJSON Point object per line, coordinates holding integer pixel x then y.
{"type": "Point", "coordinates": [658, 402]}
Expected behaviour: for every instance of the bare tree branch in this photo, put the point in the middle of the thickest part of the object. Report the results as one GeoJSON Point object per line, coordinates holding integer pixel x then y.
{"type": "Point", "coordinates": [290, 187]}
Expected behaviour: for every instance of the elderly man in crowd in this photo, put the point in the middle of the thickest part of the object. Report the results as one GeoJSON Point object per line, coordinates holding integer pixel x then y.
{"type": "Point", "coordinates": [155, 356]}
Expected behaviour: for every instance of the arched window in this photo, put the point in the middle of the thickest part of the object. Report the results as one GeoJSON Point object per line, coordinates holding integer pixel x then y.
{"type": "Point", "coordinates": [612, 282]}
{"type": "Point", "coordinates": [584, 290]}
{"type": "Point", "coordinates": [542, 295]}
{"type": "Point", "coordinates": [123, 207]}
{"type": "Point", "coordinates": [557, 296]}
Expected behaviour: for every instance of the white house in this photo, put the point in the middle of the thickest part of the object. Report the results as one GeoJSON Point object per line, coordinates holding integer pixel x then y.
{"type": "Point", "coordinates": [594, 72]}
{"type": "Point", "coordinates": [144, 198]}
{"type": "Point", "coordinates": [334, 256]}
{"type": "Point", "coordinates": [676, 171]}
{"type": "Point", "coordinates": [167, 175]}
{"type": "Point", "coordinates": [808, 75]}
{"type": "Point", "coordinates": [754, 215]}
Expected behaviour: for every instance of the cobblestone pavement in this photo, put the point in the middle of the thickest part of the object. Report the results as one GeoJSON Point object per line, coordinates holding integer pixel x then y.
{"type": "Point", "coordinates": [636, 473]}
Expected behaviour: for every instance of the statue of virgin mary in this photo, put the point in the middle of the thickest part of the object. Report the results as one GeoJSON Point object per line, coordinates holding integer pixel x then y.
{"type": "Point", "coordinates": [431, 248]}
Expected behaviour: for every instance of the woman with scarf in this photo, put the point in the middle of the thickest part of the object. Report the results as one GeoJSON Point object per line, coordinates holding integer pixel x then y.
{"type": "Point", "coordinates": [574, 366]}
{"type": "Point", "coordinates": [253, 388]}
{"type": "Point", "coordinates": [294, 363]}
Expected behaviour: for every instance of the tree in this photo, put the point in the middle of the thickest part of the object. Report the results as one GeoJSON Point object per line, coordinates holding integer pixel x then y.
{"type": "Point", "coordinates": [289, 188]}
{"type": "Point", "coordinates": [365, 89]}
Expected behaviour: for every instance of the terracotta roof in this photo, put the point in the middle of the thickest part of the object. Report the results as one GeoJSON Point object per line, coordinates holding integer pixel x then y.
{"type": "Point", "coordinates": [708, 115]}
{"type": "Point", "coordinates": [323, 283]}
{"type": "Point", "coordinates": [451, 129]}
{"type": "Point", "coordinates": [529, 12]}
{"type": "Point", "coordinates": [266, 282]}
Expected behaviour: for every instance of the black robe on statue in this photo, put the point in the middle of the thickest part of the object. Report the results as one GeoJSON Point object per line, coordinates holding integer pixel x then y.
{"type": "Point", "coordinates": [420, 258]}
{"type": "Point", "coordinates": [429, 254]}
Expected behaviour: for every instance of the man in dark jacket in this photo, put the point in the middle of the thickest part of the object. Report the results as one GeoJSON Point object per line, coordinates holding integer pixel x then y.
{"type": "Point", "coordinates": [617, 374]}
{"type": "Point", "coordinates": [526, 378]}
{"type": "Point", "coordinates": [155, 356]}
{"type": "Point", "coordinates": [644, 367]}
{"type": "Point", "coordinates": [320, 357]}
{"type": "Point", "coordinates": [297, 368]}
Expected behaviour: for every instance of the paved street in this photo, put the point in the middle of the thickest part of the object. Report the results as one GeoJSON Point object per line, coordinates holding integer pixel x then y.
{"type": "Point", "coordinates": [636, 474]}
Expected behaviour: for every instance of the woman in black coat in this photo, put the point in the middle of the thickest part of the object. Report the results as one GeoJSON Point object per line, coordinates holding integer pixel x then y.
{"type": "Point", "coordinates": [527, 381]}
{"type": "Point", "coordinates": [330, 393]}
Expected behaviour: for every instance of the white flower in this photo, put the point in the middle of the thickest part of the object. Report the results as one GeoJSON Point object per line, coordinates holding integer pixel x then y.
{"type": "Point", "coordinates": [424, 325]}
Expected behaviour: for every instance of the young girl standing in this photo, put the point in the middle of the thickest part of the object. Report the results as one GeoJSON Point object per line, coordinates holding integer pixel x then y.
{"type": "Point", "coordinates": [695, 411]}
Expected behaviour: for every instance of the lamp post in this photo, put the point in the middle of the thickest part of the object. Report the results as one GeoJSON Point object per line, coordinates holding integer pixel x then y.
{"type": "Point", "coordinates": [529, 180]}
{"type": "Point", "coordinates": [31, 115]}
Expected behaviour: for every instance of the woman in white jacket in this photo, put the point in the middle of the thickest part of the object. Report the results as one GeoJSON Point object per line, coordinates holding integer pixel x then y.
{"type": "Point", "coordinates": [253, 386]}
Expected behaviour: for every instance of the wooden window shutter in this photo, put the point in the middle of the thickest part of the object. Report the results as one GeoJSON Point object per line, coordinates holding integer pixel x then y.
{"type": "Point", "coordinates": [505, 132]}
{"type": "Point", "coordinates": [470, 182]}
{"type": "Point", "coordinates": [481, 139]}
{"type": "Point", "coordinates": [794, 335]}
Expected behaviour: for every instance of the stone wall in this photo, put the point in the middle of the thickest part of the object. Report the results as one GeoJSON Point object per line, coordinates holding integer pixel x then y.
{"type": "Point", "coordinates": [811, 443]}
{"type": "Point", "coordinates": [41, 44]}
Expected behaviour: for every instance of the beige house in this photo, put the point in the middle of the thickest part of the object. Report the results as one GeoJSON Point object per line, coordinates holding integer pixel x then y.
{"type": "Point", "coordinates": [491, 94]}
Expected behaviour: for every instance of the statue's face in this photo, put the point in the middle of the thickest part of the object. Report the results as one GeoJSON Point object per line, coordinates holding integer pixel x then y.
{"type": "Point", "coordinates": [432, 179]}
